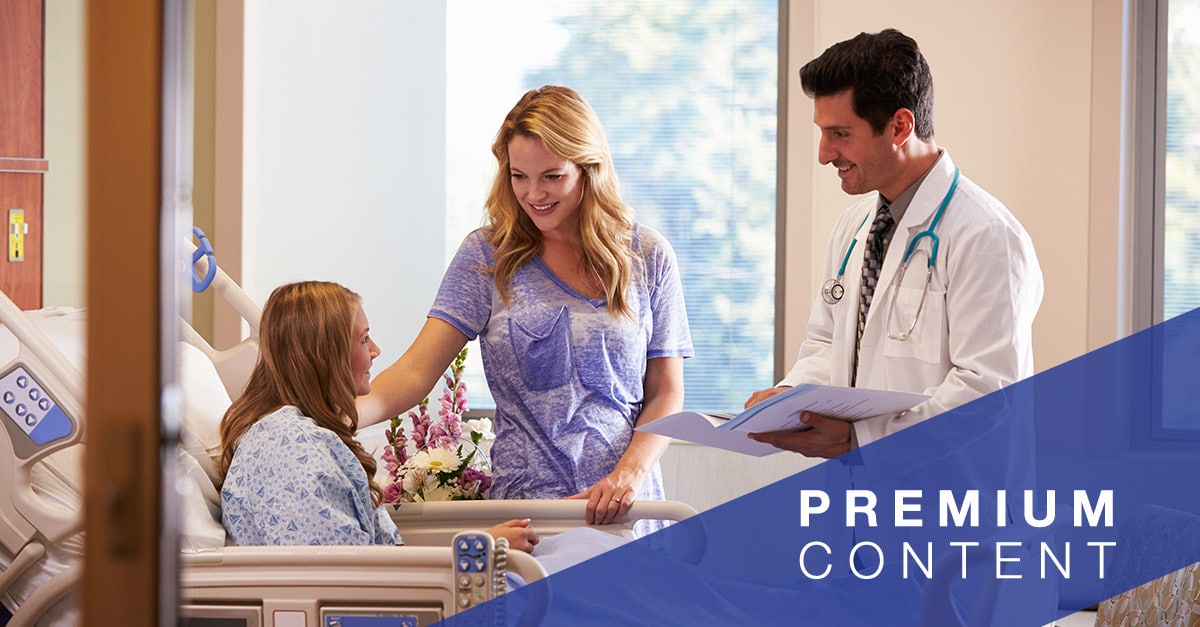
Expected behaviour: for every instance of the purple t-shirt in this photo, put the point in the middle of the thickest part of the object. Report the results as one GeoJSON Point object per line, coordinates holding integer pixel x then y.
{"type": "Point", "coordinates": [565, 374]}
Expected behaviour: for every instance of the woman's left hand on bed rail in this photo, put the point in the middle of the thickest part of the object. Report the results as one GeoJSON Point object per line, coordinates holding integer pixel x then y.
{"type": "Point", "coordinates": [610, 498]}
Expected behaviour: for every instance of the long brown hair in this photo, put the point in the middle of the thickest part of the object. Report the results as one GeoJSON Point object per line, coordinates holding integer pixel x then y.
{"type": "Point", "coordinates": [305, 337]}
{"type": "Point", "coordinates": [570, 129]}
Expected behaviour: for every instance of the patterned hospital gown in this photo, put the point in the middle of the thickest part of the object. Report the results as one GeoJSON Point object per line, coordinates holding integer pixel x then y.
{"type": "Point", "coordinates": [292, 482]}
{"type": "Point", "coordinates": [565, 374]}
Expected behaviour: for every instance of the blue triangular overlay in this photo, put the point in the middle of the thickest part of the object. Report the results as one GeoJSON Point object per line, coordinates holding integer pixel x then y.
{"type": "Point", "coordinates": [1084, 481]}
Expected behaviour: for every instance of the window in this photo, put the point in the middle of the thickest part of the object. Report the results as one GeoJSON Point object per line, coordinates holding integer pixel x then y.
{"type": "Point", "coordinates": [1168, 201]}
{"type": "Point", "coordinates": [686, 90]}
{"type": "Point", "coordinates": [1181, 237]}
{"type": "Point", "coordinates": [1181, 207]}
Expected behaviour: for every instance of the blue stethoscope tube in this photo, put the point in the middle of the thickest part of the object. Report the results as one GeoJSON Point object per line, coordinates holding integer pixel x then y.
{"type": "Point", "coordinates": [833, 290]}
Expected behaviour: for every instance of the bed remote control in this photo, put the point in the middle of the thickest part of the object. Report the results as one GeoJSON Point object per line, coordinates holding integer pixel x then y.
{"type": "Point", "coordinates": [32, 409]}
{"type": "Point", "coordinates": [473, 569]}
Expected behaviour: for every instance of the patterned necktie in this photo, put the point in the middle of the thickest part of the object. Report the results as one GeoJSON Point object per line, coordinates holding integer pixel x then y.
{"type": "Point", "coordinates": [877, 241]}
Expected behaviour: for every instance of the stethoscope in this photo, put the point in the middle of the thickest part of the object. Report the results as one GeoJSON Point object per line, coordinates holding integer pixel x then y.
{"type": "Point", "coordinates": [833, 290]}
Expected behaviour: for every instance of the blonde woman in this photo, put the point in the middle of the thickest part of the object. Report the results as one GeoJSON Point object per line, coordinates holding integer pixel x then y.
{"type": "Point", "coordinates": [293, 472]}
{"type": "Point", "coordinates": [579, 312]}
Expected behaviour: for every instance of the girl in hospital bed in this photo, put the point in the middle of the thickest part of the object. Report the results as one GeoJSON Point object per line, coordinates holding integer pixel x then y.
{"type": "Point", "coordinates": [293, 472]}
{"type": "Point", "coordinates": [579, 312]}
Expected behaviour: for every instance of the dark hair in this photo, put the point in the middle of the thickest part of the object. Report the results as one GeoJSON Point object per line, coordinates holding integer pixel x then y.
{"type": "Point", "coordinates": [886, 71]}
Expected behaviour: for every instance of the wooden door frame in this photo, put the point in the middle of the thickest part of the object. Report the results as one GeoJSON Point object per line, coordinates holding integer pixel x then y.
{"type": "Point", "coordinates": [128, 563]}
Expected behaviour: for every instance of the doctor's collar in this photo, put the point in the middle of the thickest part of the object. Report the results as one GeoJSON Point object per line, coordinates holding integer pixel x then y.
{"type": "Point", "coordinates": [900, 205]}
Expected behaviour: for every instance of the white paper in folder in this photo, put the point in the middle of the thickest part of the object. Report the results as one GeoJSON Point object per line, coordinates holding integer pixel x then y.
{"type": "Point", "coordinates": [781, 413]}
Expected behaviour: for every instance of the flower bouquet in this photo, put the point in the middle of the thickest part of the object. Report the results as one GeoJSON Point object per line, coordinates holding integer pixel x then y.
{"type": "Point", "coordinates": [442, 461]}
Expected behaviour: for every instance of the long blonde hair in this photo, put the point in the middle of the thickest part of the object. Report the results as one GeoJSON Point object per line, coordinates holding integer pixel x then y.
{"type": "Point", "coordinates": [305, 337]}
{"type": "Point", "coordinates": [570, 129]}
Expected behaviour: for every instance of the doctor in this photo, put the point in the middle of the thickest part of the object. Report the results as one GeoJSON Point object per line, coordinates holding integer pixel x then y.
{"type": "Point", "coordinates": [954, 299]}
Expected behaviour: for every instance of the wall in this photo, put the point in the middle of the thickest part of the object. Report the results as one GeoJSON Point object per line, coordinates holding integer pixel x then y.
{"type": "Point", "coordinates": [64, 188]}
{"type": "Point", "coordinates": [1025, 103]}
{"type": "Point", "coordinates": [344, 154]}
{"type": "Point", "coordinates": [308, 110]}
{"type": "Point", "coordinates": [1014, 101]}
{"type": "Point", "coordinates": [1013, 106]}
{"type": "Point", "coordinates": [1027, 107]}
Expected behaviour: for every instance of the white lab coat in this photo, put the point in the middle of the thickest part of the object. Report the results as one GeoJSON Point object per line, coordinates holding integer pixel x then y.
{"type": "Point", "coordinates": [974, 335]}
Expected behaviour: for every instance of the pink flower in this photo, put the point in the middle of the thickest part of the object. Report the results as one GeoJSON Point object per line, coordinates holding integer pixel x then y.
{"type": "Point", "coordinates": [389, 459]}
{"type": "Point", "coordinates": [439, 436]}
{"type": "Point", "coordinates": [398, 450]}
{"type": "Point", "coordinates": [436, 436]}
{"type": "Point", "coordinates": [460, 398]}
{"type": "Point", "coordinates": [441, 439]}
{"type": "Point", "coordinates": [471, 475]}
{"type": "Point", "coordinates": [452, 426]}
{"type": "Point", "coordinates": [393, 493]}
{"type": "Point", "coordinates": [420, 420]}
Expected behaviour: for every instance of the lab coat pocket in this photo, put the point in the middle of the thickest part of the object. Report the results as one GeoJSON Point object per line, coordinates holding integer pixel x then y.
{"type": "Point", "coordinates": [927, 339]}
{"type": "Point", "coordinates": [543, 350]}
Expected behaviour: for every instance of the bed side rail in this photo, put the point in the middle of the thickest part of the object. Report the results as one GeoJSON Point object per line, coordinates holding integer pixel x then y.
{"type": "Point", "coordinates": [435, 523]}
{"type": "Point", "coordinates": [312, 579]}
{"type": "Point", "coordinates": [234, 363]}
{"type": "Point", "coordinates": [41, 406]}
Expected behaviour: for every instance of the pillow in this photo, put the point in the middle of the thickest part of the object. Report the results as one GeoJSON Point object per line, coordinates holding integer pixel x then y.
{"type": "Point", "coordinates": [204, 403]}
{"type": "Point", "coordinates": [200, 508]}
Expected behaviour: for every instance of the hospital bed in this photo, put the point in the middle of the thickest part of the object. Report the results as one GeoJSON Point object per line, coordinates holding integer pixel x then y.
{"type": "Point", "coordinates": [41, 540]}
{"type": "Point", "coordinates": [41, 543]}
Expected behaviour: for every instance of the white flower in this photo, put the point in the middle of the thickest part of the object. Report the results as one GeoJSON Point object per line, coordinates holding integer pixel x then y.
{"type": "Point", "coordinates": [414, 479]}
{"type": "Point", "coordinates": [437, 460]}
{"type": "Point", "coordinates": [482, 426]}
{"type": "Point", "coordinates": [439, 493]}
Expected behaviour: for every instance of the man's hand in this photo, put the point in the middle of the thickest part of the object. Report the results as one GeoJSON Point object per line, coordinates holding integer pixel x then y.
{"type": "Point", "coordinates": [827, 438]}
{"type": "Point", "coordinates": [763, 395]}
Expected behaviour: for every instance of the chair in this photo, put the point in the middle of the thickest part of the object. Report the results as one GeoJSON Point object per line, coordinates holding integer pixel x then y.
{"type": "Point", "coordinates": [1154, 535]}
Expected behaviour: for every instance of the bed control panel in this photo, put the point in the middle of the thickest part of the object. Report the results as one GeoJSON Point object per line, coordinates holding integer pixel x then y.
{"type": "Point", "coordinates": [364, 618]}
{"type": "Point", "coordinates": [480, 569]}
{"type": "Point", "coordinates": [32, 409]}
{"type": "Point", "coordinates": [473, 571]}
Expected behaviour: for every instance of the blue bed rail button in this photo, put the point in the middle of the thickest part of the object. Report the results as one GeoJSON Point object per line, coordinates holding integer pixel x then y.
{"type": "Point", "coordinates": [27, 403]}
{"type": "Point", "coordinates": [55, 425]}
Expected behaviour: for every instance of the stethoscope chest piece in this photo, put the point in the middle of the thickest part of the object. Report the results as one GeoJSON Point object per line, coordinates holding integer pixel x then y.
{"type": "Point", "coordinates": [832, 291]}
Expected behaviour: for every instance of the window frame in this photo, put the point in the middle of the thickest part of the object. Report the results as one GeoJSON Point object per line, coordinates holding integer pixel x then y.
{"type": "Point", "coordinates": [1148, 224]}
{"type": "Point", "coordinates": [1149, 161]}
